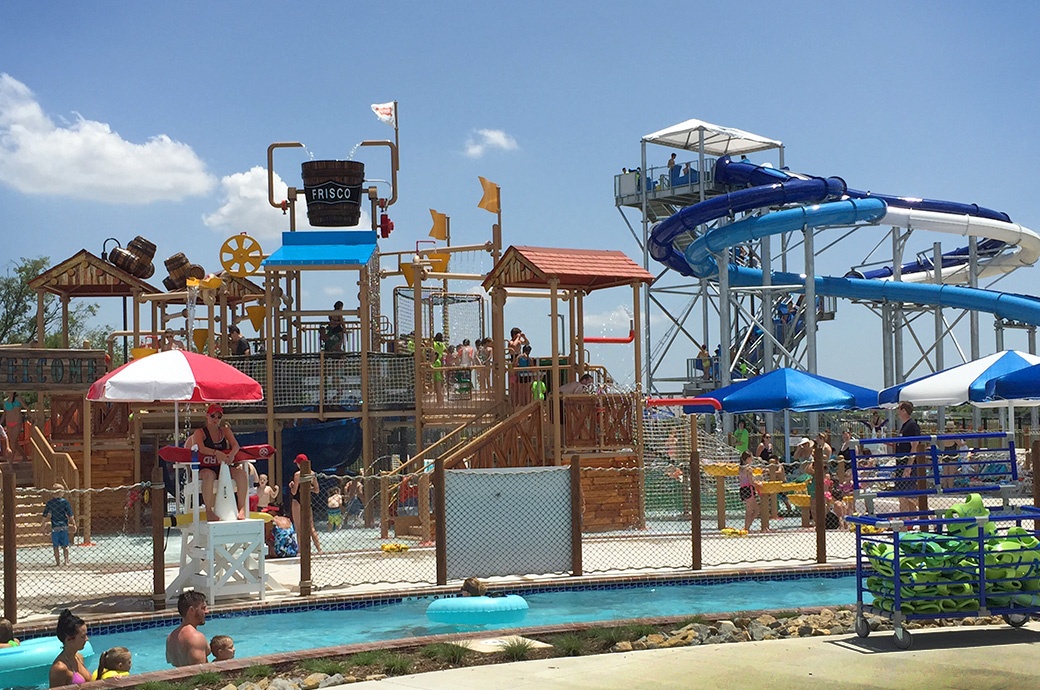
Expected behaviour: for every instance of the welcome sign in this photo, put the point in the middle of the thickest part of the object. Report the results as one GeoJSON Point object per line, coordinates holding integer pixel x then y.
{"type": "Point", "coordinates": [42, 369]}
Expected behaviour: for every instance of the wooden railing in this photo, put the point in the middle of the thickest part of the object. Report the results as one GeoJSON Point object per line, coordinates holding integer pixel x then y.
{"type": "Point", "coordinates": [518, 441]}
{"type": "Point", "coordinates": [477, 425]}
{"type": "Point", "coordinates": [49, 466]}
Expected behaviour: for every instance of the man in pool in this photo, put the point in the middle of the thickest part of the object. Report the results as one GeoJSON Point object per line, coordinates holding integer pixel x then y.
{"type": "Point", "coordinates": [186, 646]}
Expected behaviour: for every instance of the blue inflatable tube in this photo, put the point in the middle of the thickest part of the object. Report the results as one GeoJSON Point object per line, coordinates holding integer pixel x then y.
{"type": "Point", "coordinates": [29, 664]}
{"type": "Point", "coordinates": [511, 608]}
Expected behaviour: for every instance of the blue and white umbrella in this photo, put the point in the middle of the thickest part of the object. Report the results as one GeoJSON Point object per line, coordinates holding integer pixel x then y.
{"type": "Point", "coordinates": [960, 384]}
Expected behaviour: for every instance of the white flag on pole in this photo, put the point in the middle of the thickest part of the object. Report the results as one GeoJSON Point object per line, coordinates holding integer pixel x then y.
{"type": "Point", "coordinates": [386, 112]}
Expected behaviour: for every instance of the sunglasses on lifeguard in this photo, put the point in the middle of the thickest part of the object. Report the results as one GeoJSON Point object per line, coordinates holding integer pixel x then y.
{"type": "Point", "coordinates": [216, 416]}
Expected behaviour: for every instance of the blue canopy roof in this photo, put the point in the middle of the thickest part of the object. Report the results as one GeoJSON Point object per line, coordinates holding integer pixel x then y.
{"type": "Point", "coordinates": [1022, 386]}
{"type": "Point", "coordinates": [789, 389]}
{"type": "Point", "coordinates": [327, 248]}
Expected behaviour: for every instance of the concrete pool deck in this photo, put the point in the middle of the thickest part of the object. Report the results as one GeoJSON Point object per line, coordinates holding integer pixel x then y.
{"type": "Point", "coordinates": [970, 657]}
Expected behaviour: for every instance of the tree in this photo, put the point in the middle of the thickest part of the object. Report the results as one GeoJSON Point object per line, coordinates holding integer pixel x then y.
{"type": "Point", "coordinates": [18, 308]}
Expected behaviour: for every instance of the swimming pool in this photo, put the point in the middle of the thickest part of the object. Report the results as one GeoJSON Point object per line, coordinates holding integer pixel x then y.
{"type": "Point", "coordinates": [258, 635]}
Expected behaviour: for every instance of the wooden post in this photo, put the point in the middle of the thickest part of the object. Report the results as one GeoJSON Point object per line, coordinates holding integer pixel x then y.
{"type": "Point", "coordinates": [640, 400]}
{"type": "Point", "coordinates": [819, 506]}
{"type": "Point", "coordinates": [695, 495]}
{"type": "Point", "coordinates": [88, 425]}
{"type": "Point", "coordinates": [425, 531]}
{"type": "Point", "coordinates": [158, 502]}
{"type": "Point", "coordinates": [384, 506]}
{"type": "Point", "coordinates": [307, 525]}
{"type": "Point", "coordinates": [440, 528]}
{"type": "Point", "coordinates": [720, 501]}
{"type": "Point", "coordinates": [576, 516]}
{"type": "Point", "coordinates": [419, 354]}
{"type": "Point", "coordinates": [555, 351]}
{"type": "Point", "coordinates": [10, 546]}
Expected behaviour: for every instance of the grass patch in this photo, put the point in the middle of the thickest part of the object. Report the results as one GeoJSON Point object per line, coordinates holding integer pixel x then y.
{"type": "Point", "coordinates": [448, 652]}
{"type": "Point", "coordinates": [786, 614]}
{"type": "Point", "coordinates": [166, 685]}
{"type": "Point", "coordinates": [396, 665]}
{"type": "Point", "coordinates": [258, 671]}
{"type": "Point", "coordinates": [329, 667]}
{"type": "Point", "coordinates": [570, 645]}
{"type": "Point", "coordinates": [372, 658]}
{"type": "Point", "coordinates": [206, 678]}
{"type": "Point", "coordinates": [621, 633]}
{"type": "Point", "coordinates": [518, 649]}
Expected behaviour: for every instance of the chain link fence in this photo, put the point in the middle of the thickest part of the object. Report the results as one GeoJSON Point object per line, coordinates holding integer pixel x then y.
{"type": "Point", "coordinates": [107, 562]}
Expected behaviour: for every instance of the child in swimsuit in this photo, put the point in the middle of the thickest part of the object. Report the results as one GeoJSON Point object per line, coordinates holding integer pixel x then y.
{"type": "Point", "coordinates": [113, 663]}
{"type": "Point", "coordinates": [335, 514]}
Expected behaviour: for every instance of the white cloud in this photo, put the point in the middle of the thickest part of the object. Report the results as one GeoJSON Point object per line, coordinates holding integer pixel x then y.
{"type": "Point", "coordinates": [85, 159]}
{"type": "Point", "coordinates": [478, 143]}
{"type": "Point", "coordinates": [245, 207]}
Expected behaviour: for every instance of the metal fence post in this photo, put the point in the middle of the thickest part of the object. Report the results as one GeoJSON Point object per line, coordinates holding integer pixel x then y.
{"type": "Point", "coordinates": [576, 501]}
{"type": "Point", "coordinates": [157, 498]}
{"type": "Point", "coordinates": [10, 546]}
{"type": "Point", "coordinates": [440, 529]}
{"type": "Point", "coordinates": [695, 496]}
{"type": "Point", "coordinates": [819, 506]}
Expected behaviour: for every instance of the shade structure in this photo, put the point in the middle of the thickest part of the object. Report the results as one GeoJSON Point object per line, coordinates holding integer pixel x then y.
{"type": "Point", "coordinates": [176, 376]}
{"type": "Point", "coordinates": [791, 390]}
{"type": "Point", "coordinates": [1022, 387]}
{"type": "Point", "coordinates": [960, 384]}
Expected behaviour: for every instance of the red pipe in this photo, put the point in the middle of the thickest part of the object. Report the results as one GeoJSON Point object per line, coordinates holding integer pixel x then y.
{"type": "Point", "coordinates": [664, 402]}
{"type": "Point", "coordinates": [614, 339]}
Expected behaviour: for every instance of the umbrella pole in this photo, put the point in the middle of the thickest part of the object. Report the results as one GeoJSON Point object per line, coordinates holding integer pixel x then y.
{"type": "Point", "coordinates": [787, 436]}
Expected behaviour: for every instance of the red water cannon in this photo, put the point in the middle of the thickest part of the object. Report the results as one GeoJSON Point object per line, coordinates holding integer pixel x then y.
{"type": "Point", "coordinates": [386, 226]}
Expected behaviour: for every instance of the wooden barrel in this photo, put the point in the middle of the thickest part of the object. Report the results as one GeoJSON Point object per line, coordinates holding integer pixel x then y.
{"type": "Point", "coordinates": [177, 265]}
{"type": "Point", "coordinates": [170, 284]}
{"type": "Point", "coordinates": [142, 247]}
{"type": "Point", "coordinates": [333, 192]}
{"type": "Point", "coordinates": [132, 263]}
{"type": "Point", "coordinates": [195, 271]}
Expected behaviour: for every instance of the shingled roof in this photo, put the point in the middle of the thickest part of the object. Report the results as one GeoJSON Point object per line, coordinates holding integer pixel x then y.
{"type": "Point", "coordinates": [575, 269]}
{"type": "Point", "coordinates": [85, 275]}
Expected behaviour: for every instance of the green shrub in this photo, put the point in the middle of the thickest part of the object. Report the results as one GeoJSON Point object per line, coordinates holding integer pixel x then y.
{"type": "Point", "coordinates": [517, 649]}
{"type": "Point", "coordinates": [206, 678]}
{"type": "Point", "coordinates": [570, 645]}
{"type": "Point", "coordinates": [396, 665]}
{"type": "Point", "coordinates": [450, 652]}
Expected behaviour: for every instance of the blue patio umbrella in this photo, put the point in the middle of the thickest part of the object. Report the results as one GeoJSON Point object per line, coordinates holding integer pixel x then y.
{"type": "Point", "coordinates": [960, 384]}
{"type": "Point", "coordinates": [789, 390]}
{"type": "Point", "coordinates": [1021, 386]}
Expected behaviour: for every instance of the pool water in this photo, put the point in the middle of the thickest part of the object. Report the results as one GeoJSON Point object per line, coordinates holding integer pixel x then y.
{"type": "Point", "coordinates": [260, 635]}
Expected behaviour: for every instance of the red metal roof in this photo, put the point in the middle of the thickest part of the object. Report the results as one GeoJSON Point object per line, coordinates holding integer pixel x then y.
{"type": "Point", "coordinates": [576, 269]}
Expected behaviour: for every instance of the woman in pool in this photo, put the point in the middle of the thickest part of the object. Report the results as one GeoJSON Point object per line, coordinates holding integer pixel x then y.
{"type": "Point", "coordinates": [748, 489]}
{"type": "Point", "coordinates": [473, 587]}
{"type": "Point", "coordinates": [69, 668]}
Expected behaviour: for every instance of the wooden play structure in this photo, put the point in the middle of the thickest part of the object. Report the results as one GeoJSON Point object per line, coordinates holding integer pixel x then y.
{"type": "Point", "coordinates": [351, 363]}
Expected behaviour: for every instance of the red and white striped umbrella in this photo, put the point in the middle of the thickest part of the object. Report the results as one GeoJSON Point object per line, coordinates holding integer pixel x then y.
{"type": "Point", "coordinates": [176, 376]}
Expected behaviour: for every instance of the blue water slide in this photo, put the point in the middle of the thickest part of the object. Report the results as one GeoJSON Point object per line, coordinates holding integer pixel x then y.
{"type": "Point", "coordinates": [742, 174]}
{"type": "Point", "coordinates": [701, 264]}
{"type": "Point", "coordinates": [663, 234]}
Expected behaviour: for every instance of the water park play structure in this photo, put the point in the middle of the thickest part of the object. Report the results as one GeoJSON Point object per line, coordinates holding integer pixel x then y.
{"type": "Point", "coordinates": [716, 211]}
{"type": "Point", "coordinates": [376, 400]}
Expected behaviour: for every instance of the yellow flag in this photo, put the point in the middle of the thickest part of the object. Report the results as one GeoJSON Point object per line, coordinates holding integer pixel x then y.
{"type": "Point", "coordinates": [490, 200]}
{"type": "Point", "coordinates": [439, 231]}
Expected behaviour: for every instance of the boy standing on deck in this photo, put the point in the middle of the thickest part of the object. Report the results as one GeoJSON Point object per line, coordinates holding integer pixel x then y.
{"type": "Point", "coordinates": [59, 511]}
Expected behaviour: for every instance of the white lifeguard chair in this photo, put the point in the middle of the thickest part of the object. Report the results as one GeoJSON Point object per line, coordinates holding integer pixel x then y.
{"type": "Point", "coordinates": [220, 559]}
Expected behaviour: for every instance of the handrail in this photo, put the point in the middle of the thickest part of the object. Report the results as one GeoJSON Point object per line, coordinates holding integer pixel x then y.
{"type": "Point", "coordinates": [518, 417]}
{"type": "Point", "coordinates": [49, 466]}
{"type": "Point", "coordinates": [420, 457]}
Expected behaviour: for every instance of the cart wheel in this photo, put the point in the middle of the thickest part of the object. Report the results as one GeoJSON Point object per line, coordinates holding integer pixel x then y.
{"type": "Point", "coordinates": [1016, 620]}
{"type": "Point", "coordinates": [862, 627]}
{"type": "Point", "coordinates": [901, 638]}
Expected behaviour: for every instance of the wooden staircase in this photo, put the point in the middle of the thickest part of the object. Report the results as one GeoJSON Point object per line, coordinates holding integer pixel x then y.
{"type": "Point", "coordinates": [31, 528]}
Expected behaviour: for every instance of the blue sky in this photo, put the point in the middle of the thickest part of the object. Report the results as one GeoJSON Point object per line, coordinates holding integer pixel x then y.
{"type": "Point", "coordinates": [126, 118]}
